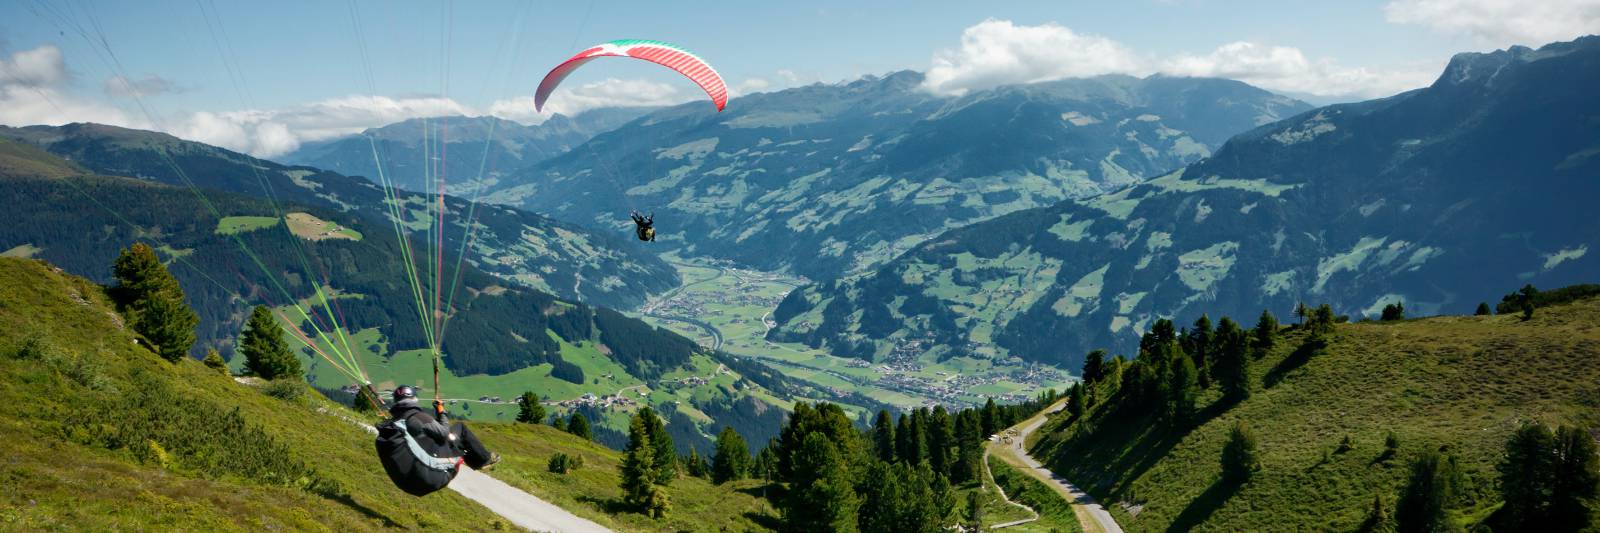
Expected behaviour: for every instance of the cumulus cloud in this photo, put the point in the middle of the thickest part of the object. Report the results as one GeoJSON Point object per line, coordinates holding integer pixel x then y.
{"type": "Point", "coordinates": [1287, 69]}
{"type": "Point", "coordinates": [611, 92]}
{"type": "Point", "coordinates": [32, 84]}
{"type": "Point", "coordinates": [122, 87]}
{"type": "Point", "coordinates": [998, 52]}
{"type": "Point", "coordinates": [268, 133]}
{"type": "Point", "coordinates": [1501, 22]}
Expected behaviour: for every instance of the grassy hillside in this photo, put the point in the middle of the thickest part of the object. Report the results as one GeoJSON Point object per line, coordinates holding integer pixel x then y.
{"type": "Point", "coordinates": [106, 435]}
{"type": "Point", "coordinates": [1462, 382]}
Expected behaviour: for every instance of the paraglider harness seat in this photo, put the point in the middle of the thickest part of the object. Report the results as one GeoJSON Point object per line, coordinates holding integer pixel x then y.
{"type": "Point", "coordinates": [645, 230]}
{"type": "Point", "coordinates": [410, 463]}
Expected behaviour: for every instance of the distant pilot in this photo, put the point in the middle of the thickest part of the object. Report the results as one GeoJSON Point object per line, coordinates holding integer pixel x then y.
{"type": "Point", "coordinates": [644, 229]}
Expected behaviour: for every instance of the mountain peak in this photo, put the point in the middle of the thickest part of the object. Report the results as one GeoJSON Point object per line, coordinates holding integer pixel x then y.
{"type": "Point", "coordinates": [1482, 67]}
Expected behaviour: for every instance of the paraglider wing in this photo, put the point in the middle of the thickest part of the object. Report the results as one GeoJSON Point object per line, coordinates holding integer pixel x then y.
{"type": "Point", "coordinates": [660, 53]}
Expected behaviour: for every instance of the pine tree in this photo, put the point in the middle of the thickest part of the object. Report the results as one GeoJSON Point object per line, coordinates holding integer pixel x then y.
{"type": "Point", "coordinates": [1200, 344]}
{"type": "Point", "coordinates": [882, 497]}
{"type": "Point", "coordinates": [366, 400]}
{"type": "Point", "coordinates": [941, 436]}
{"type": "Point", "coordinates": [695, 466]}
{"type": "Point", "coordinates": [214, 361]}
{"type": "Point", "coordinates": [883, 436]}
{"type": "Point", "coordinates": [1240, 459]}
{"type": "Point", "coordinates": [919, 437]}
{"type": "Point", "coordinates": [991, 418]}
{"type": "Point", "coordinates": [766, 463]}
{"type": "Point", "coordinates": [1301, 312]}
{"type": "Point", "coordinates": [578, 425]}
{"type": "Point", "coordinates": [1184, 390]}
{"type": "Point", "coordinates": [821, 497]}
{"type": "Point", "coordinates": [1232, 363]}
{"type": "Point", "coordinates": [1075, 401]}
{"type": "Point", "coordinates": [1322, 322]}
{"type": "Point", "coordinates": [1377, 519]}
{"type": "Point", "coordinates": [666, 456]}
{"type": "Point", "coordinates": [732, 461]}
{"type": "Point", "coordinates": [529, 409]}
{"type": "Point", "coordinates": [974, 517]}
{"type": "Point", "coordinates": [1527, 473]}
{"type": "Point", "coordinates": [266, 355]}
{"type": "Point", "coordinates": [657, 504]}
{"type": "Point", "coordinates": [1483, 309]}
{"type": "Point", "coordinates": [557, 422]}
{"type": "Point", "coordinates": [154, 302]}
{"type": "Point", "coordinates": [1393, 312]}
{"type": "Point", "coordinates": [638, 464]}
{"type": "Point", "coordinates": [1428, 494]}
{"type": "Point", "coordinates": [1266, 333]}
{"type": "Point", "coordinates": [1094, 367]}
{"type": "Point", "coordinates": [969, 447]}
{"type": "Point", "coordinates": [1525, 298]}
{"type": "Point", "coordinates": [1577, 480]}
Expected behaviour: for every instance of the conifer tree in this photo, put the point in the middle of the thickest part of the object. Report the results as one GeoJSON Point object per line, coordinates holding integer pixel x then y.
{"type": "Point", "coordinates": [1184, 390]}
{"type": "Point", "coordinates": [1377, 519]}
{"type": "Point", "coordinates": [1527, 471]}
{"type": "Point", "coordinates": [732, 461]}
{"type": "Point", "coordinates": [1233, 364]}
{"type": "Point", "coordinates": [941, 436]}
{"type": "Point", "coordinates": [153, 302]}
{"type": "Point", "coordinates": [969, 447]}
{"type": "Point", "coordinates": [1483, 309]}
{"type": "Point", "coordinates": [1428, 494]}
{"type": "Point", "coordinates": [1577, 480]}
{"type": "Point", "coordinates": [1075, 401]}
{"type": "Point", "coordinates": [1239, 456]}
{"type": "Point", "coordinates": [638, 465]}
{"type": "Point", "coordinates": [214, 361]}
{"type": "Point", "coordinates": [578, 425]}
{"type": "Point", "coordinates": [822, 496]}
{"type": "Point", "coordinates": [694, 465]}
{"type": "Point", "coordinates": [1266, 333]}
{"type": "Point", "coordinates": [1094, 367]}
{"type": "Point", "coordinates": [974, 518]}
{"type": "Point", "coordinates": [529, 409]}
{"type": "Point", "coordinates": [1199, 345]}
{"type": "Point", "coordinates": [666, 456]}
{"type": "Point", "coordinates": [266, 354]}
{"type": "Point", "coordinates": [991, 418]}
{"type": "Point", "coordinates": [883, 436]}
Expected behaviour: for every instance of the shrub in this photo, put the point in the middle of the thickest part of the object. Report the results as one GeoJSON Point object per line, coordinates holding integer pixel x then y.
{"type": "Point", "coordinates": [289, 390]}
{"type": "Point", "coordinates": [562, 463]}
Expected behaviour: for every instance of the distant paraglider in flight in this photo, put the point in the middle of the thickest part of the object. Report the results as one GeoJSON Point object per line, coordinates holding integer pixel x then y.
{"type": "Point", "coordinates": [665, 54]}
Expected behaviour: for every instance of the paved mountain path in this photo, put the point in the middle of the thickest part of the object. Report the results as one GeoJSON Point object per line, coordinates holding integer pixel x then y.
{"type": "Point", "coordinates": [1011, 449]}
{"type": "Point", "coordinates": [518, 507]}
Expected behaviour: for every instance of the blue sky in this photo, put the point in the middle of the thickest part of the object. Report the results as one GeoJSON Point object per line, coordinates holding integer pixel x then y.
{"type": "Point", "coordinates": [264, 76]}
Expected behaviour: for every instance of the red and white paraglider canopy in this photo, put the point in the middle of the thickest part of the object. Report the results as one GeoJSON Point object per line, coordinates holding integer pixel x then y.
{"type": "Point", "coordinates": [660, 53]}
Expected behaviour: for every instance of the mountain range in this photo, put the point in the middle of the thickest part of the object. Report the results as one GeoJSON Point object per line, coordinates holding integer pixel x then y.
{"type": "Point", "coordinates": [464, 148]}
{"type": "Point", "coordinates": [561, 258]}
{"type": "Point", "coordinates": [826, 179]}
{"type": "Point", "coordinates": [1437, 198]}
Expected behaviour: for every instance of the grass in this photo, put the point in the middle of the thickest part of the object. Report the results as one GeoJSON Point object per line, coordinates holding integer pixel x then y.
{"type": "Point", "coordinates": [311, 228]}
{"type": "Point", "coordinates": [243, 224]}
{"type": "Point", "coordinates": [58, 476]}
{"type": "Point", "coordinates": [1055, 514]}
{"type": "Point", "coordinates": [1462, 382]}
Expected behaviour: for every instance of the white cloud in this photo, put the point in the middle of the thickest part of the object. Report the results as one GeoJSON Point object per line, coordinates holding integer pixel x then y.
{"type": "Point", "coordinates": [610, 92]}
{"type": "Point", "coordinates": [31, 92]}
{"type": "Point", "coordinates": [268, 133]}
{"type": "Point", "coordinates": [121, 86]}
{"type": "Point", "coordinates": [39, 67]}
{"type": "Point", "coordinates": [1501, 22]}
{"type": "Point", "coordinates": [1284, 68]}
{"type": "Point", "coordinates": [998, 52]}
